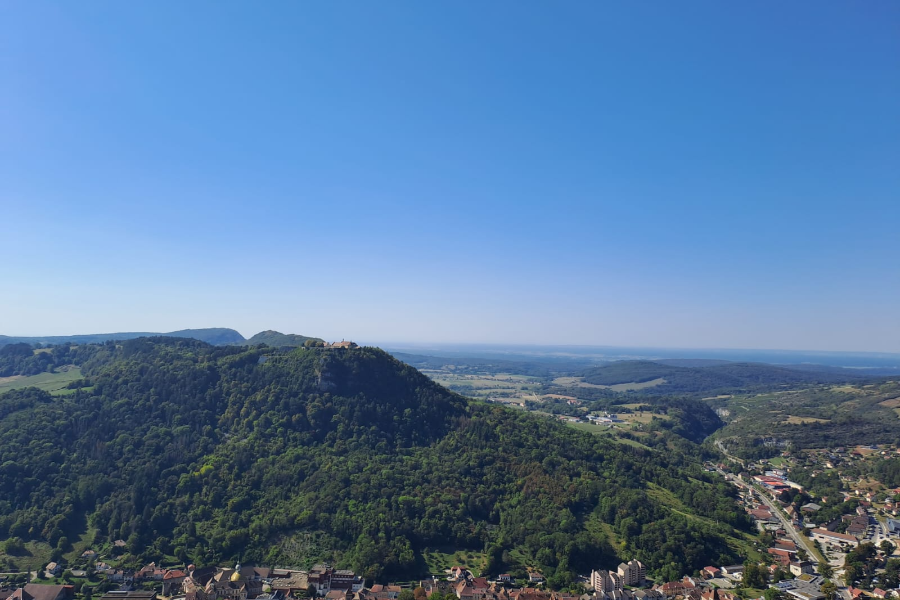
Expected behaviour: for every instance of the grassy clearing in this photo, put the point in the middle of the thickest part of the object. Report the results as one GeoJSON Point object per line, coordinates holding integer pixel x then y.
{"type": "Point", "coordinates": [610, 432]}
{"type": "Point", "coordinates": [560, 397]}
{"type": "Point", "coordinates": [744, 544]}
{"type": "Point", "coordinates": [619, 387]}
{"type": "Point", "coordinates": [49, 382]}
{"type": "Point", "coordinates": [627, 387]}
{"type": "Point", "coordinates": [591, 428]}
{"type": "Point", "coordinates": [849, 389]}
{"type": "Point", "coordinates": [804, 420]}
{"type": "Point", "coordinates": [442, 559]}
{"type": "Point", "coordinates": [599, 529]}
{"type": "Point", "coordinates": [577, 382]}
{"type": "Point", "coordinates": [643, 418]}
{"type": "Point", "coordinates": [81, 544]}
{"type": "Point", "coordinates": [37, 554]}
{"type": "Point", "coordinates": [523, 558]}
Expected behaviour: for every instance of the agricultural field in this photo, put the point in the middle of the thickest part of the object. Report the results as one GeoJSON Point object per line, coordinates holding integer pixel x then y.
{"type": "Point", "coordinates": [499, 387]}
{"type": "Point", "coordinates": [618, 387]}
{"type": "Point", "coordinates": [55, 383]}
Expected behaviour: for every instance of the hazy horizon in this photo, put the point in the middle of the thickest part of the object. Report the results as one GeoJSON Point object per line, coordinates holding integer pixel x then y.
{"type": "Point", "coordinates": [499, 346]}
{"type": "Point", "coordinates": [708, 176]}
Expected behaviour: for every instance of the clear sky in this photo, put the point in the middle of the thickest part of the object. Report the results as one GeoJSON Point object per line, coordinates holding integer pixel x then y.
{"type": "Point", "coordinates": [699, 173]}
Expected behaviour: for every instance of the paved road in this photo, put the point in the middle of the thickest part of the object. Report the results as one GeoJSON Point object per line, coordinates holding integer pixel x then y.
{"type": "Point", "coordinates": [801, 541]}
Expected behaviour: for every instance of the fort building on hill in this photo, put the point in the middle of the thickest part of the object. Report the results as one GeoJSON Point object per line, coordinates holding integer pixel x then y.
{"type": "Point", "coordinates": [342, 344]}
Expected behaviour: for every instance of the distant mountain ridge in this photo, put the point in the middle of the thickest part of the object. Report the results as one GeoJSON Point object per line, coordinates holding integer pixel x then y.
{"type": "Point", "coordinates": [713, 376]}
{"type": "Point", "coordinates": [216, 336]}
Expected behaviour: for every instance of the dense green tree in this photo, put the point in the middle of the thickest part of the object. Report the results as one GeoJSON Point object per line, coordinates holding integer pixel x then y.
{"type": "Point", "coordinates": [754, 575]}
{"type": "Point", "coordinates": [218, 453]}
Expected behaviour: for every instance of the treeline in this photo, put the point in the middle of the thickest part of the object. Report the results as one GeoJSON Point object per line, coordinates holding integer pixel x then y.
{"type": "Point", "coordinates": [849, 430]}
{"type": "Point", "coordinates": [888, 472]}
{"type": "Point", "coordinates": [22, 359]}
{"type": "Point", "coordinates": [216, 453]}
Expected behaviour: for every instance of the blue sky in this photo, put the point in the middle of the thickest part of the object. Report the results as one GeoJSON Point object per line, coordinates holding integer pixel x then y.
{"type": "Point", "coordinates": [700, 174]}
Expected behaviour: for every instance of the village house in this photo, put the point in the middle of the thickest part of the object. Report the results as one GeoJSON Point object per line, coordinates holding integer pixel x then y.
{"type": "Point", "coordinates": [802, 567]}
{"type": "Point", "coordinates": [733, 571]}
{"type": "Point", "coordinates": [151, 573]}
{"type": "Point", "coordinates": [782, 557]}
{"type": "Point", "coordinates": [103, 568]}
{"type": "Point", "coordinates": [385, 592]}
{"type": "Point", "coordinates": [173, 581]}
{"type": "Point", "coordinates": [33, 591]}
{"type": "Point", "coordinates": [121, 576]}
{"type": "Point", "coordinates": [856, 593]}
{"type": "Point", "coordinates": [672, 589]}
{"type": "Point", "coordinates": [893, 526]}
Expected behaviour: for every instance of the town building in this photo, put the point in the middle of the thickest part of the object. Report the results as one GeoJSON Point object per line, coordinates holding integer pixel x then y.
{"type": "Point", "coordinates": [606, 581]}
{"type": "Point", "coordinates": [802, 567]}
{"type": "Point", "coordinates": [128, 595]}
{"type": "Point", "coordinates": [804, 588]}
{"type": "Point", "coordinates": [633, 573]}
{"type": "Point", "coordinates": [34, 591]}
{"type": "Point", "coordinates": [824, 536]}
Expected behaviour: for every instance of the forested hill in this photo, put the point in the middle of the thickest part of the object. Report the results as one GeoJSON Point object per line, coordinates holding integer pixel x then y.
{"type": "Point", "coordinates": [713, 376]}
{"type": "Point", "coordinates": [213, 335]}
{"type": "Point", "coordinates": [212, 454]}
{"type": "Point", "coordinates": [277, 339]}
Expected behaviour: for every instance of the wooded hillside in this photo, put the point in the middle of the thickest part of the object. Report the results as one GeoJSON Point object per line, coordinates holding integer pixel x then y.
{"type": "Point", "coordinates": [218, 453]}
